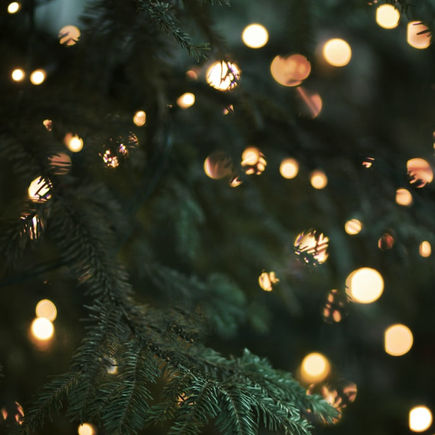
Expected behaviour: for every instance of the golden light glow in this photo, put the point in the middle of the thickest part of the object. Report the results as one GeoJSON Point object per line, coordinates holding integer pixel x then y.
{"type": "Point", "coordinates": [110, 160]}
{"type": "Point", "coordinates": [14, 7]}
{"type": "Point", "coordinates": [334, 307]}
{"type": "Point", "coordinates": [313, 102]}
{"type": "Point", "coordinates": [218, 165]}
{"type": "Point", "coordinates": [312, 247]}
{"type": "Point", "coordinates": [228, 109]}
{"type": "Point", "coordinates": [420, 418]}
{"type": "Point", "coordinates": [42, 329]}
{"type": "Point", "coordinates": [46, 309]}
{"type": "Point", "coordinates": [289, 168]}
{"type": "Point", "coordinates": [386, 241]}
{"type": "Point", "coordinates": [253, 161]}
{"type": "Point", "coordinates": [39, 190]}
{"type": "Point", "coordinates": [60, 163]}
{"type": "Point", "coordinates": [235, 181]}
{"type": "Point", "coordinates": [140, 118]}
{"type": "Point", "coordinates": [387, 16]}
{"type": "Point", "coordinates": [86, 429]}
{"type": "Point", "coordinates": [34, 225]}
{"type": "Point", "coordinates": [425, 249]}
{"type": "Point", "coordinates": [38, 77]}
{"type": "Point", "coordinates": [364, 285]}
{"type": "Point", "coordinates": [73, 142]}
{"type": "Point", "coordinates": [112, 366]}
{"type": "Point", "coordinates": [403, 197]}
{"type": "Point", "coordinates": [353, 226]}
{"type": "Point", "coordinates": [48, 124]}
{"type": "Point", "coordinates": [318, 179]}
{"type": "Point", "coordinates": [419, 172]}
{"type": "Point", "coordinates": [315, 368]}
{"type": "Point", "coordinates": [255, 36]}
{"type": "Point", "coordinates": [192, 74]}
{"type": "Point", "coordinates": [417, 39]}
{"type": "Point", "coordinates": [18, 75]}
{"type": "Point", "coordinates": [223, 76]}
{"type": "Point", "coordinates": [69, 35]}
{"type": "Point", "coordinates": [368, 162]}
{"type": "Point", "coordinates": [337, 52]}
{"type": "Point", "coordinates": [266, 280]}
{"type": "Point", "coordinates": [291, 70]}
{"type": "Point", "coordinates": [186, 100]}
{"type": "Point", "coordinates": [14, 413]}
{"type": "Point", "coordinates": [398, 340]}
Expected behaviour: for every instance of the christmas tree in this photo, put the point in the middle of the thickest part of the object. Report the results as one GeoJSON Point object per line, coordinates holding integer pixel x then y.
{"type": "Point", "coordinates": [217, 217]}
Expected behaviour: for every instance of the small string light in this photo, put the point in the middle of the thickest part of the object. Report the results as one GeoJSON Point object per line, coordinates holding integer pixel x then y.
{"type": "Point", "coordinates": [418, 35]}
{"type": "Point", "coordinates": [364, 285]}
{"type": "Point", "coordinates": [39, 190]}
{"type": "Point", "coordinates": [255, 36]}
{"type": "Point", "coordinates": [311, 247]}
{"type": "Point", "coordinates": [387, 16]}
{"type": "Point", "coordinates": [38, 77]}
{"type": "Point", "coordinates": [140, 118]}
{"type": "Point", "coordinates": [398, 340]}
{"type": "Point", "coordinates": [420, 418]}
{"type": "Point", "coordinates": [353, 227]}
{"type": "Point", "coordinates": [69, 35]}
{"type": "Point", "coordinates": [186, 100]}
{"type": "Point", "coordinates": [14, 7]}
{"type": "Point", "coordinates": [315, 368]}
{"type": "Point", "coordinates": [86, 429]}
{"type": "Point", "coordinates": [425, 249]}
{"type": "Point", "coordinates": [403, 197]}
{"type": "Point", "coordinates": [42, 329]}
{"type": "Point", "coordinates": [18, 75]}
{"type": "Point", "coordinates": [218, 165]}
{"type": "Point", "coordinates": [318, 179]}
{"type": "Point", "coordinates": [46, 309]}
{"type": "Point", "coordinates": [289, 168]}
{"type": "Point", "coordinates": [223, 75]}
{"type": "Point", "coordinates": [290, 70]}
{"type": "Point", "coordinates": [73, 142]}
{"type": "Point", "coordinates": [337, 52]}
{"type": "Point", "coordinates": [266, 280]}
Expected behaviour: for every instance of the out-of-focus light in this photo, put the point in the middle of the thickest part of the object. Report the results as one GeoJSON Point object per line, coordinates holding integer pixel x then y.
{"type": "Point", "coordinates": [418, 35]}
{"type": "Point", "coordinates": [192, 74]}
{"type": "Point", "coordinates": [39, 190]}
{"type": "Point", "coordinates": [403, 197]}
{"type": "Point", "coordinates": [318, 179]}
{"type": "Point", "coordinates": [60, 163]}
{"type": "Point", "coordinates": [312, 247]}
{"type": "Point", "coordinates": [18, 75]}
{"type": "Point", "coordinates": [42, 329]}
{"type": "Point", "coordinates": [364, 285]}
{"type": "Point", "coordinates": [48, 124]}
{"type": "Point", "coordinates": [290, 70]}
{"type": "Point", "coordinates": [353, 227]}
{"type": "Point", "coordinates": [69, 35]}
{"type": "Point", "coordinates": [110, 160]}
{"type": "Point", "coordinates": [140, 118]}
{"type": "Point", "coordinates": [235, 181]}
{"type": "Point", "coordinates": [419, 171]}
{"type": "Point", "coordinates": [73, 142]}
{"type": "Point", "coordinates": [253, 161]}
{"type": "Point", "coordinates": [313, 102]}
{"type": "Point", "coordinates": [398, 340]}
{"type": "Point", "coordinates": [368, 162]}
{"type": "Point", "coordinates": [13, 414]}
{"type": "Point", "coordinates": [223, 76]}
{"type": "Point", "coordinates": [112, 366]}
{"type": "Point", "coordinates": [14, 7]}
{"type": "Point", "coordinates": [337, 52]}
{"type": "Point", "coordinates": [228, 109]}
{"type": "Point", "coordinates": [218, 165]}
{"type": "Point", "coordinates": [420, 418]}
{"type": "Point", "coordinates": [333, 309]}
{"type": "Point", "coordinates": [289, 168]}
{"type": "Point", "coordinates": [38, 77]}
{"type": "Point", "coordinates": [34, 225]}
{"type": "Point", "coordinates": [266, 280]}
{"type": "Point", "coordinates": [255, 36]}
{"type": "Point", "coordinates": [386, 241]}
{"type": "Point", "coordinates": [46, 309]}
{"type": "Point", "coordinates": [387, 16]}
{"type": "Point", "coordinates": [425, 249]}
{"type": "Point", "coordinates": [315, 368]}
{"type": "Point", "coordinates": [86, 429]}
{"type": "Point", "coordinates": [186, 100]}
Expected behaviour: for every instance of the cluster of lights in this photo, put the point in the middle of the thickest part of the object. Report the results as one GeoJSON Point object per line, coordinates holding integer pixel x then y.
{"type": "Point", "coordinates": [312, 247]}
{"type": "Point", "coordinates": [37, 77]}
{"type": "Point", "coordinates": [338, 397]}
{"type": "Point", "coordinates": [267, 280]}
{"type": "Point", "coordinates": [14, 414]}
{"type": "Point", "coordinates": [223, 75]}
{"type": "Point", "coordinates": [255, 36]}
{"type": "Point", "coordinates": [333, 310]}
{"type": "Point", "coordinates": [110, 160]}
{"type": "Point", "coordinates": [253, 161]}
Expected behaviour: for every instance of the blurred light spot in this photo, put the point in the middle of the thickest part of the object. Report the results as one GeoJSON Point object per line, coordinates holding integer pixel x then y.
{"type": "Point", "coordinates": [419, 172]}
{"type": "Point", "coordinates": [235, 181]}
{"type": "Point", "coordinates": [337, 52]}
{"type": "Point", "coordinates": [253, 161]}
{"type": "Point", "coordinates": [386, 241]}
{"type": "Point", "coordinates": [290, 70]}
{"type": "Point", "coordinates": [186, 100]}
{"type": "Point", "coordinates": [112, 366]}
{"type": "Point", "coordinates": [318, 179]}
{"type": "Point", "coordinates": [229, 109]}
{"type": "Point", "coordinates": [60, 163]}
{"type": "Point", "coordinates": [73, 142]}
{"type": "Point", "coordinates": [255, 36]}
{"type": "Point", "coordinates": [13, 414]}
{"type": "Point", "coordinates": [425, 249]}
{"type": "Point", "coordinates": [353, 226]}
{"type": "Point", "coordinates": [86, 429]}
{"type": "Point", "coordinates": [339, 396]}
{"type": "Point", "coordinates": [192, 74]}
{"type": "Point", "coordinates": [39, 190]}
{"type": "Point", "coordinates": [42, 329]}
{"type": "Point", "coordinates": [223, 76]}
{"type": "Point", "coordinates": [48, 124]}
{"type": "Point", "coordinates": [315, 368]}
{"type": "Point", "coordinates": [333, 310]}
{"type": "Point", "coordinates": [420, 418]}
{"type": "Point", "coordinates": [368, 162]}
{"type": "Point", "coordinates": [218, 165]}
{"type": "Point", "coordinates": [418, 35]}
{"type": "Point", "coordinates": [14, 7]}
{"type": "Point", "coordinates": [266, 280]}
{"type": "Point", "coordinates": [313, 102]}
{"type": "Point", "coordinates": [69, 35]}
{"type": "Point", "coordinates": [110, 160]}
{"type": "Point", "coordinates": [33, 225]}
{"type": "Point", "coordinates": [38, 77]}
{"type": "Point", "coordinates": [140, 118]}
{"type": "Point", "coordinates": [403, 197]}
{"type": "Point", "coordinates": [18, 75]}
{"type": "Point", "coordinates": [312, 247]}
{"type": "Point", "coordinates": [46, 309]}
{"type": "Point", "coordinates": [364, 285]}
{"type": "Point", "coordinates": [387, 16]}
{"type": "Point", "coordinates": [398, 340]}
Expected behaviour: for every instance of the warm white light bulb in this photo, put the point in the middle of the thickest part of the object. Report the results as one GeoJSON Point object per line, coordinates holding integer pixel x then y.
{"type": "Point", "coordinates": [420, 418]}
{"type": "Point", "coordinates": [14, 7]}
{"type": "Point", "coordinates": [37, 77]}
{"type": "Point", "coordinates": [255, 36]}
{"type": "Point", "coordinates": [337, 52]}
{"type": "Point", "coordinates": [387, 16]}
{"type": "Point", "coordinates": [315, 368]}
{"type": "Point", "coordinates": [18, 75]}
{"type": "Point", "coordinates": [42, 329]}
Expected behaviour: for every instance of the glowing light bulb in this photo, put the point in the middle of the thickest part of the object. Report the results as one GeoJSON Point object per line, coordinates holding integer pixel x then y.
{"type": "Point", "coordinates": [290, 70]}
{"type": "Point", "coordinates": [140, 118]}
{"type": "Point", "coordinates": [38, 77]}
{"type": "Point", "coordinates": [387, 16]}
{"type": "Point", "coordinates": [186, 100]}
{"type": "Point", "coordinates": [315, 368]}
{"type": "Point", "coordinates": [223, 76]}
{"type": "Point", "coordinates": [73, 142]}
{"type": "Point", "coordinates": [46, 309]}
{"type": "Point", "coordinates": [312, 102]}
{"type": "Point", "coordinates": [266, 280]}
{"type": "Point", "coordinates": [18, 75]}
{"type": "Point", "coordinates": [218, 165]}
{"type": "Point", "coordinates": [398, 340]}
{"type": "Point", "coordinates": [86, 429]}
{"type": "Point", "coordinates": [419, 171]}
{"type": "Point", "coordinates": [403, 197]}
{"type": "Point", "coordinates": [364, 285]}
{"type": "Point", "coordinates": [289, 168]}
{"type": "Point", "coordinates": [311, 247]}
{"type": "Point", "coordinates": [255, 36]}
{"type": "Point", "coordinates": [337, 52]}
{"type": "Point", "coordinates": [318, 180]}
{"type": "Point", "coordinates": [420, 418]}
{"type": "Point", "coordinates": [418, 35]}
{"type": "Point", "coordinates": [425, 249]}
{"type": "Point", "coordinates": [14, 7]}
{"type": "Point", "coordinates": [353, 226]}
{"type": "Point", "coordinates": [39, 190]}
{"type": "Point", "coordinates": [69, 35]}
{"type": "Point", "coordinates": [42, 329]}
{"type": "Point", "coordinates": [386, 241]}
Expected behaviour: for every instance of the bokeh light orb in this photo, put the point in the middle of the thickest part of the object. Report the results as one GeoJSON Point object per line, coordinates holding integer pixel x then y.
{"type": "Point", "coordinates": [418, 35]}
{"type": "Point", "coordinates": [425, 249]}
{"type": "Point", "coordinates": [73, 142]}
{"type": "Point", "coordinates": [290, 70]}
{"type": "Point", "coordinates": [39, 190]}
{"type": "Point", "coordinates": [315, 368]}
{"type": "Point", "coordinates": [386, 241]}
{"type": "Point", "coordinates": [318, 179]}
{"type": "Point", "coordinates": [18, 75]}
{"type": "Point", "coordinates": [419, 171]}
{"type": "Point", "coordinates": [14, 7]}
{"type": "Point", "coordinates": [255, 35]}
{"type": "Point", "coordinates": [289, 168]}
{"type": "Point", "coordinates": [364, 285]}
{"type": "Point", "coordinates": [42, 329]}
{"type": "Point", "coordinates": [218, 165]}
{"type": "Point", "coordinates": [337, 52]}
{"type": "Point", "coordinates": [403, 197]}
{"type": "Point", "coordinates": [46, 309]}
{"type": "Point", "coordinates": [38, 77]}
{"type": "Point", "coordinates": [420, 418]}
{"type": "Point", "coordinates": [387, 16]}
{"type": "Point", "coordinates": [266, 281]}
{"type": "Point", "coordinates": [69, 35]}
{"type": "Point", "coordinates": [398, 340]}
{"type": "Point", "coordinates": [140, 118]}
{"type": "Point", "coordinates": [86, 429]}
{"type": "Point", "coordinates": [186, 100]}
{"type": "Point", "coordinates": [312, 247]}
{"type": "Point", "coordinates": [353, 227]}
{"type": "Point", "coordinates": [223, 76]}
